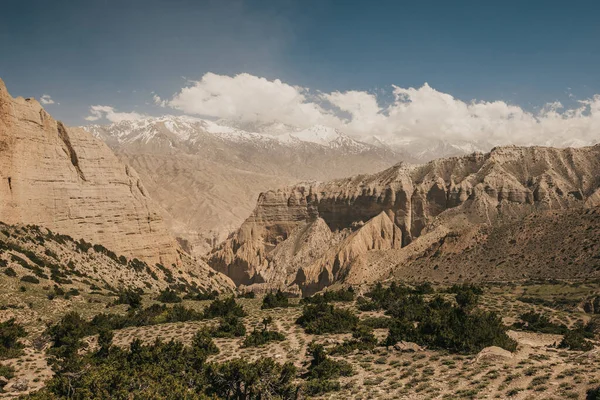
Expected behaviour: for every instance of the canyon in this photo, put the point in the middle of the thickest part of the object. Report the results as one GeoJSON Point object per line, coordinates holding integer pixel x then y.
{"type": "Point", "coordinates": [369, 228]}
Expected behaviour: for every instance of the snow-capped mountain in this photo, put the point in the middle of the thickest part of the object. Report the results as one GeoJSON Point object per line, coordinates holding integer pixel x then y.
{"type": "Point", "coordinates": [179, 130]}
{"type": "Point", "coordinates": [206, 175]}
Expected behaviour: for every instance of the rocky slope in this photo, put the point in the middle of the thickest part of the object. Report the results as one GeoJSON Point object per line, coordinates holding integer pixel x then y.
{"type": "Point", "coordinates": [57, 259]}
{"type": "Point", "coordinates": [368, 226]}
{"type": "Point", "coordinates": [207, 176]}
{"type": "Point", "coordinates": [66, 180]}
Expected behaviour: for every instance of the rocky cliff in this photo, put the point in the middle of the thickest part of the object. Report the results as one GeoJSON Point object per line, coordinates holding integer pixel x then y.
{"type": "Point", "coordinates": [66, 180]}
{"type": "Point", "coordinates": [217, 172]}
{"type": "Point", "coordinates": [390, 212]}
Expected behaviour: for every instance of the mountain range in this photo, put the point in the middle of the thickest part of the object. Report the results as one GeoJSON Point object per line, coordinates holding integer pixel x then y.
{"type": "Point", "coordinates": [513, 213]}
{"type": "Point", "coordinates": [207, 175]}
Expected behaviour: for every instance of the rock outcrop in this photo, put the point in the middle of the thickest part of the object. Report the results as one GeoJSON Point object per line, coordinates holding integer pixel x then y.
{"type": "Point", "coordinates": [403, 211]}
{"type": "Point", "coordinates": [206, 177]}
{"type": "Point", "coordinates": [68, 181]}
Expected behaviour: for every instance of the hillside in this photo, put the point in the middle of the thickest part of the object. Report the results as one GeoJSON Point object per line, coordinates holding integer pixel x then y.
{"type": "Point", "coordinates": [66, 180]}
{"type": "Point", "coordinates": [386, 223]}
{"type": "Point", "coordinates": [206, 176]}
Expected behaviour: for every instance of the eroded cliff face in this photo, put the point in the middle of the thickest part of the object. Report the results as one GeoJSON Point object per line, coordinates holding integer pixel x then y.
{"type": "Point", "coordinates": [394, 208]}
{"type": "Point", "coordinates": [66, 180]}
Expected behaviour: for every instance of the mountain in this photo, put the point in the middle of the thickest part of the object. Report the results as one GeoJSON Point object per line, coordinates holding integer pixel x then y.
{"type": "Point", "coordinates": [65, 180]}
{"type": "Point", "coordinates": [206, 176]}
{"type": "Point", "coordinates": [476, 217]}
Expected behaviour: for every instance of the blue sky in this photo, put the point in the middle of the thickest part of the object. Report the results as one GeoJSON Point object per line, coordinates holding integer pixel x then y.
{"type": "Point", "coordinates": [117, 53]}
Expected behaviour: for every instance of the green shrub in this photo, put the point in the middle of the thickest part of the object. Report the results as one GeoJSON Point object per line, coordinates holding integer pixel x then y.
{"type": "Point", "coordinates": [131, 297]}
{"type": "Point", "coordinates": [10, 333]}
{"type": "Point", "coordinates": [10, 272]}
{"type": "Point", "coordinates": [535, 322]}
{"type": "Point", "coordinates": [362, 339]}
{"type": "Point", "coordinates": [30, 279]}
{"type": "Point", "coordinates": [230, 326]}
{"type": "Point", "coordinates": [223, 308]}
{"type": "Point", "coordinates": [593, 394]}
{"type": "Point", "coordinates": [168, 296]}
{"type": "Point", "coordinates": [262, 379]}
{"type": "Point", "coordinates": [167, 370]}
{"type": "Point", "coordinates": [315, 387]}
{"type": "Point", "coordinates": [258, 338]}
{"type": "Point", "coordinates": [323, 371]}
{"type": "Point", "coordinates": [440, 324]}
{"type": "Point", "coordinates": [575, 340]}
{"type": "Point", "coordinates": [279, 299]}
{"type": "Point", "coordinates": [323, 318]}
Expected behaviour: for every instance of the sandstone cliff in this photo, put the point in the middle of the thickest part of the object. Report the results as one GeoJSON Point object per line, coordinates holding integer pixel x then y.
{"type": "Point", "coordinates": [66, 180]}
{"type": "Point", "coordinates": [399, 211]}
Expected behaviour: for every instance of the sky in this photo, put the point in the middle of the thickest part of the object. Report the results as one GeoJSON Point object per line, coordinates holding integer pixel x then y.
{"type": "Point", "coordinates": [466, 70]}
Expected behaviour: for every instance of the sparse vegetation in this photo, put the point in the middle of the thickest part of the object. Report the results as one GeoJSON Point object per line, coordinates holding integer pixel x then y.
{"type": "Point", "coordinates": [168, 296]}
{"type": "Point", "coordinates": [323, 318]}
{"type": "Point", "coordinates": [260, 337]}
{"type": "Point", "coordinates": [10, 333]}
{"type": "Point", "coordinates": [345, 295]}
{"type": "Point", "coordinates": [279, 299]}
{"type": "Point", "coordinates": [224, 308]}
{"type": "Point", "coordinates": [536, 322]}
{"type": "Point", "coordinates": [323, 371]}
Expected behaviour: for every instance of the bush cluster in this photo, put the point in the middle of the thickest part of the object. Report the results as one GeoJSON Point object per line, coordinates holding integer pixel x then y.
{"type": "Point", "coordinates": [168, 296]}
{"type": "Point", "coordinates": [362, 339]}
{"type": "Point", "coordinates": [167, 370]}
{"type": "Point", "coordinates": [458, 326]}
{"type": "Point", "coordinates": [10, 333]}
{"type": "Point", "coordinates": [224, 308]}
{"type": "Point", "coordinates": [323, 371]}
{"type": "Point", "coordinates": [260, 337]}
{"type": "Point", "coordinates": [536, 322]}
{"type": "Point", "coordinates": [275, 300]}
{"type": "Point", "coordinates": [323, 318]}
{"type": "Point", "coordinates": [229, 326]}
{"type": "Point", "coordinates": [345, 295]}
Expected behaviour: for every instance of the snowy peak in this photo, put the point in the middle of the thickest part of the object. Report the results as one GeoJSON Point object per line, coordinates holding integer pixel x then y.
{"type": "Point", "coordinates": [319, 134]}
{"type": "Point", "coordinates": [189, 132]}
{"type": "Point", "coordinates": [178, 130]}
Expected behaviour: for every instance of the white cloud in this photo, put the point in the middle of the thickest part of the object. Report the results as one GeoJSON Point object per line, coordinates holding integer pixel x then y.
{"type": "Point", "coordinates": [46, 99]}
{"type": "Point", "coordinates": [414, 112]}
{"type": "Point", "coordinates": [248, 98]}
{"type": "Point", "coordinates": [99, 112]}
{"type": "Point", "coordinates": [158, 101]}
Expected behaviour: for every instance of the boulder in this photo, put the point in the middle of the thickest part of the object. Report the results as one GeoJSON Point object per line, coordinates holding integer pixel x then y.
{"type": "Point", "coordinates": [493, 353]}
{"type": "Point", "coordinates": [407, 347]}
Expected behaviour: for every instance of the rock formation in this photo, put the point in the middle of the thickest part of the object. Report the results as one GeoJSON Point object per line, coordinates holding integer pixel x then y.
{"type": "Point", "coordinates": [66, 180]}
{"type": "Point", "coordinates": [401, 212]}
{"type": "Point", "coordinates": [206, 177]}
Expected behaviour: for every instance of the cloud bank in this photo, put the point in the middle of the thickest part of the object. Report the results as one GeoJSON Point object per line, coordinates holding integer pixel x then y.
{"type": "Point", "coordinates": [99, 112]}
{"type": "Point", "coordinates": [413, 113]}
